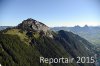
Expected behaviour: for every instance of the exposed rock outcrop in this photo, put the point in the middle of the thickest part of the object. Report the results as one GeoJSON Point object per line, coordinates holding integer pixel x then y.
{"type": "Point", "coordinates": [31, 25]}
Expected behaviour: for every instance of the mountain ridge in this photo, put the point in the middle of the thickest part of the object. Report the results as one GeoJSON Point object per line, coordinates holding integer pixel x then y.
{"type": "Point", "coordinates": [88, 32]}
{"type": "Point", "coordinates": [31, 24]}
{"type": "Point", "coordinates": [23, 45]}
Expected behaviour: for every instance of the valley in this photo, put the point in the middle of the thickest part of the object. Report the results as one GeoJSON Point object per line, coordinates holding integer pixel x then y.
{"type": "Point", "coordinates": [92, 34]}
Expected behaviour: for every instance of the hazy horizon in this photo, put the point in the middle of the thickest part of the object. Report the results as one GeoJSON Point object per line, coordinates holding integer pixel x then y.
{"type": "Point", "coordinates": [62, 25]}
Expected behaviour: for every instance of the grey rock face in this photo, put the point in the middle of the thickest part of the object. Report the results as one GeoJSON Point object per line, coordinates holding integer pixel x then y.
{"type": "Point", "coordinates": [31, 24]}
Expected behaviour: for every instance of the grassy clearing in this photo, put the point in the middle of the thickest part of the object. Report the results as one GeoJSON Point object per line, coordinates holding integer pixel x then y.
{"type": "Point", "coordinates": [22, 35]}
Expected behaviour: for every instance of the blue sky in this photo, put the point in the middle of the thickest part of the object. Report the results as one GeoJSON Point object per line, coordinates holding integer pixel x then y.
{"type": "Point", "coordinates": [51, 12]}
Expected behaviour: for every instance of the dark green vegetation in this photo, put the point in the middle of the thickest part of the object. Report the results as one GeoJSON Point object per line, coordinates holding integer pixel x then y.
{"type": "Point", "coordinates": [19, 47]}
{"type": "Point", "coordinates": [14, 52]}
{"type": "Point", "coordinates": [92, 34]}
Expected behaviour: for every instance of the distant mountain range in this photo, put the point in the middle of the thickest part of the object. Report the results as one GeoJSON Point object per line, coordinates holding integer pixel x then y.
{"type": "Point", "coordinates": [92, 34]}
{"type": "Point", "coordinates": [4, 27]}
{"type": "Point", "coordinates": [23, 45]}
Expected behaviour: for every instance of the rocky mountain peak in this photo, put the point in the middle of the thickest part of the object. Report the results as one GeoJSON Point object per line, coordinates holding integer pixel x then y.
{"type": "Point", "coordinates": [33, 25]}
{"type": "Point", "coordinates": [85, 25]}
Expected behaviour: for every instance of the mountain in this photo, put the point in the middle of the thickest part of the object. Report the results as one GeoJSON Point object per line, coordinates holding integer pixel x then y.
{"type": "Point", "coordinates": [88, 32]}
{"type": "Point", "coordinates": [31, 24]}
{"type": "Point", "coordinates": [4, 27]}
{"type": "Point", "coordinates": [24, 44]}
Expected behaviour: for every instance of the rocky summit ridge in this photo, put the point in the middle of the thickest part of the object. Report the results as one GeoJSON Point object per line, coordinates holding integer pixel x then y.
{"type": "Point", "coordinates": [33, 25]}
